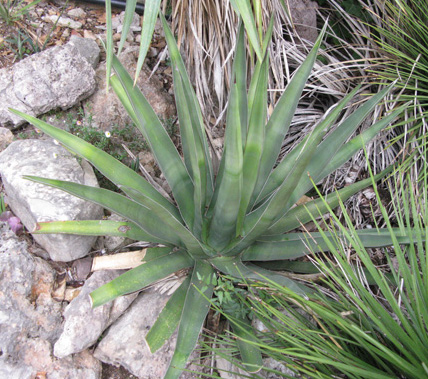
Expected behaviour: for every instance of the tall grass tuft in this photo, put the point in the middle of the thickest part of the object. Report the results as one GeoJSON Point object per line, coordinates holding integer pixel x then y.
{"type": "Point", "coordinates": [367, 320]}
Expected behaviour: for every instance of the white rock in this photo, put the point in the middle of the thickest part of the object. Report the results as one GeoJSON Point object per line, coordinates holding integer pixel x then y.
{"type": "Point", "coordinates": [64, 22]}
{"type": "Point", "coordinates": [30, 320]}
{"type": "Point", "coordinates": [124, 342]}
{"type": "Point", "coordinates": [85, 324]}
{"type": "Point", "coordinates": [88, 49]}
{"type": "Point", "coordinates": [6, 137]}
{"type": "Point", "coordinates": [77, 13]}
{"type": "Point", "coordinates": [33, 202]}
{"type": "Point", "coordinates": [58, 77]}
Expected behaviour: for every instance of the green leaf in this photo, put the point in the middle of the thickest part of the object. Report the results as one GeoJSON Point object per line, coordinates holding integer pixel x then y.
{"type": "Point", "coordinates": [192, 103]}
{"type": "Point", "coordinates": [255, 76]}
{"type": "Point", "coordinates": [239, 76]}
{"type": "Point", "coordinates": [358, 143]}
{"type": "Point", "coordinates": [140, 215]}
{"type": "Point", "coordinates": [141, 276]}
{"type": "Point", "coordinates": [223, 223]}
{"type": "Point", "coordinates": [193, 150]}
{"type": "Point", "coordinates": [244, 9]}
{"type": "Point", "coordinates": [304, 213]}
{"type": "Point", "coordinates": [278, 175]}
{"type": "Point", "coordinates": [258, 221]}
{"type": "Point", "coordinates": [193, 246]}
{"type": "Point", "coordinates": [254, 145]}
{"type": "Point", "coordinates": [129, 14]}
{"type": "Point", "coordinates": [93, 228]}
{"type": "Point", "coordinates": [251, 355]}
{"type": "Point", "coordinates": [343, 154]}
{"type": "Point", "coordinates": [196, 307]}
{"type": "Point", "coordinates": [280, 120]}
{"type": "Point", "coordinates": [160, 143]}
{"type": "Point", "coordinates": [151, 10]}
{"type": "Point", "coordinates": [296, 245]}
{"type": "Point", "coordinates": [168, 319]}
{"type": "Point", "coordinates": [110, 167]}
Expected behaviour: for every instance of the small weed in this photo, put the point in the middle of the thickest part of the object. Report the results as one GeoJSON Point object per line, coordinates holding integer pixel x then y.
{"type": "Point", "coordinates": [27, 135]}
{"type": "Point", "coordinates": [21, 45]}
{"type": "Point", "coordinates": [2, 204]}
{"type": "Point", "coordinates": [229, 295]}
{"type": "Point", "coordinates": [12, 11]}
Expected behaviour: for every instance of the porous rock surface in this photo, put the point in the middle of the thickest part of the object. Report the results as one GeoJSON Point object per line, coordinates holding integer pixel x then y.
{"type": "Point", "coordinates": [85, 324]}
{"type": "Point", "coordinates": [58, 77]}
{"type": "Point", "coordinates": [124, 343]}
{"type": "Point", "coordinates": [33, 202]}
{"type": "Point", "coordinates": [30, 320]}
{"type": "Point", "coordinates": [87, 48]}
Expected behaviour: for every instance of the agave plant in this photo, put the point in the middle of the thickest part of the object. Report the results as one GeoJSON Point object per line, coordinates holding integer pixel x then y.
{"type": "Point", "coordinates": [223, 222]}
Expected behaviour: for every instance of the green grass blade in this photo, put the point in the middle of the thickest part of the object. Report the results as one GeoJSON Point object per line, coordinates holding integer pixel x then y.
{"type": "Point", "coordinates": [121, 94]}
{"type": "Point", "coordinates": [140, 215]}
{"type": "Point", "coordinates": [110, 167]}
{"type": "Point", "coordinates": [255, 140]}
{"type": "Point", "coordinates": [195, 310]}
{"type": "Point", "coordinates": [223, 223]}
{"type": "Point", "coordinates": [129, 14]}
{"type": "Point", "coordinates": [141, 276]}
{"type": "Point", "coordinates": [109, 42]}
{"type": "Point", "coordinates": [244, 9]}
{"type": "Point", "coordinates": [151, 10]}
{"type": "Point", "coordinates": [251, 355]}
{"type": "Point", "coordinates": [281, 117]}
{"type": "Point", "coordinates": [304, 213]}
{"type": "Point", "coordinates": [22, 11]}
{"type": "Point", "coordinates": [168, 319]}
{"type": "Point", "coordinates": [160, 143]}
{"type": "Point", "coordinates": [93, 228]}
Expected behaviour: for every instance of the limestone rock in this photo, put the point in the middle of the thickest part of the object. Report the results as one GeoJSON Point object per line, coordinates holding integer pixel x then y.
{"type": "Point", "coordinates": [124, 342]}
{"type": "Point", "coordinates": [88, 49]}
{"type": "Point", "coordinates": [64, 22]}
{"type": "Point", "coordinates": [76, 13]}
{"type": "Point", "coordinates": [33, 202]}
{"type": "Point", "coordinates": [30, 320]}
{"type": "Point", "coordinates": [6, 137]}
{"type": "Point", "coordinates": [55, 78]}
{"type": "Point", "coordinates": [84, 324]}
{"type": "Point", "coordinates": [106, 109]}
